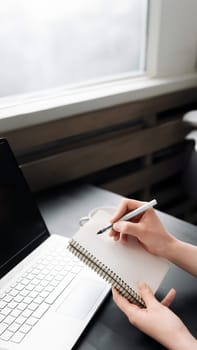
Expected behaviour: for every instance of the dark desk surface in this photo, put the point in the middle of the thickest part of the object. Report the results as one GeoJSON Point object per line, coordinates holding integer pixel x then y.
{"type": "Point", "coordinates": [110, 329]}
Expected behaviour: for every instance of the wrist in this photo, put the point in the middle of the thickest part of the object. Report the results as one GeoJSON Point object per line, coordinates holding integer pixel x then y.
{"type": "Point", "coordinates": [169, 251]}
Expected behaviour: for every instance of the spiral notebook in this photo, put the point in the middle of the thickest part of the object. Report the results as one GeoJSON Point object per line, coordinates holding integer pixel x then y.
{"type": "Point", "coordinates": [123, 266]}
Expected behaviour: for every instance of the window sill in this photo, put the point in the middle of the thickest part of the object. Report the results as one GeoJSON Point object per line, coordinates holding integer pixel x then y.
{"type": "Point", "coordinates": [33, 110]}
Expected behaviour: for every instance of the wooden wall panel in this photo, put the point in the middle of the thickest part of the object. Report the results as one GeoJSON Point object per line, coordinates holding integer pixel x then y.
{"type": "Point", "coordinates": [147, 176]}
{"type": "Point", "coordinates": [135, 149]}
{"type": "Point", "coordinates": [78, 162]}
{"type": "Point", "coordinates": [24, 140]}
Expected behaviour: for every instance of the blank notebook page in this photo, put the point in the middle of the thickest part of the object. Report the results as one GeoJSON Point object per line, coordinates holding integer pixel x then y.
{"type": "Point", "coordinates": [130, 261]}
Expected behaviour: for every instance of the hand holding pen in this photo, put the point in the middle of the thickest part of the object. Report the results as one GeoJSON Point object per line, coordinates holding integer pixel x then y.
{"type": "Point", "coordinates": [146, 227]}
{"type": "Point", "coordinates": [132, 214]}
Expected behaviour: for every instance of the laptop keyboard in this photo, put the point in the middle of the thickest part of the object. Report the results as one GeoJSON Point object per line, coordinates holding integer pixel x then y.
{"type": "Point", "coordinates": [25, 302]}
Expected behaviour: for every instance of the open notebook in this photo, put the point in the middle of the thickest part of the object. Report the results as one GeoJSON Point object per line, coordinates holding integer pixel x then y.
{"type": "Point", "coordinates": [123, 266]}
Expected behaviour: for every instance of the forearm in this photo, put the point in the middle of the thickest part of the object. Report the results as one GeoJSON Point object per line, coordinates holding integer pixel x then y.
{"type": "Point", "coordinates": [182, 254]}
{"type": "Point", "coordinates": [182, 341]}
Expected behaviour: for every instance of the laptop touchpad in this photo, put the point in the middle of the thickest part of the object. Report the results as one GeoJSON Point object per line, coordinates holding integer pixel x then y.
{"type": "Point", "coordinates": [82, 298]}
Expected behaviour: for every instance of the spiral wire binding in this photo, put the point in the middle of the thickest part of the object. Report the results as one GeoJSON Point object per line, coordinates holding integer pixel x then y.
{"type": "Point", "coordinates": [102, 270]}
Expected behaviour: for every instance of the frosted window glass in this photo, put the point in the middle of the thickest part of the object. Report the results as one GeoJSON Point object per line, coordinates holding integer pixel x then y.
{"type": "Point", "coordinates": [46, 44]}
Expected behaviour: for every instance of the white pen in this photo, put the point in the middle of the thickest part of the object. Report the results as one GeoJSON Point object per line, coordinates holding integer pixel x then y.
{"type": "Point", "coordinates": [131, 214]}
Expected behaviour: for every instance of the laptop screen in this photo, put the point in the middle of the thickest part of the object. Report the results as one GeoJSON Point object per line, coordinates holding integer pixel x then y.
{"type": "Point", "coordinates": [21, 225]}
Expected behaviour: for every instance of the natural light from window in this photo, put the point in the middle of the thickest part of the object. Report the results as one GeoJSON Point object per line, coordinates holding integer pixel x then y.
{"type": "Point", "coordinates": [47, 44]}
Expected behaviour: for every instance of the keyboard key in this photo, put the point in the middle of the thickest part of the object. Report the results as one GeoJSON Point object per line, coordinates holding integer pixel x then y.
{"type": "Point", "coordinates": [6, 311]}
{"type": "Point", "coordinates": [18, 298]}
{"type": "Point", "coordinates": [59, 277]}
{"type": "Point", "coordinates": [2, 304]}
{"type": "Point", "coordinates": [49, 288]}
{"type": "Point", "coordinates": [54, 283]}
{"type": "Point", "coordinates": [44, 283]}
{"type": "Point", "coordinates": [41, 310]}
{"type": "Point", "coordinates": [49, 278]}
{"type": "Point", "coordinates": [2, 295]}
{"type": "Point", "coordinates": [44, 294]}
{"type": "Point", "coordinates": [38, 288]}
{"type": "Point", "coordinates": [32, 320]}
{"type": "Point", "coordinates": [15, 312]}
{"type": "Point", "coordinates": [3, 327]}
{"type": "Point", "coordinates": [17, 337]}
{"type": "Point", "coordinates": [8, 298]}
{"type": "Point", "coordinates": [30, 287]}
{"type": "Point", "coordinates": [12, 304]}
{"type": "Point", "coordinates": [13, 292]}
{"type": "Point", "coordinates": [14, 327]}
{"type": "Point", "coordinates": [25, 328]}
{"type": "Point", "coordinates": [26, 313]}
{"type": "Point", "coordinates": [19, 279]}
{"type": "Point", "coordinates": [2, 317]}
{"type": "Point", "coordinates": [19, 287]}
{"type": "Point", "coordinates": [8, 290]}
{"type": "Point", "coordinates": [6, 335]}
{"type": "Point", "coordinates": [21, 306]}
{"type": "Point", "coordinates": [33, 294]}
{"type": "Point", "coordinates": [20, 319]}
{"type": "Point", "coordinates": [40, 276]}
{"type": "Point", "coordinates": [30, 276]}
{"type": "Point", "coordinates": [30, 270]}
{"type": "Point", "coordinates": [25, 281]}
{"type": "Point", "coordinates": [33, 306]}
{"type": "Point", "coordinates": [38, 300]}
{"type": "Point", "coordinates": [24, 292]}
{"type": "Point", "coordinates": [35, 272]}
{"type": "Point", "coordinates": [40, 266]}
{"type": "Point", "coordinates": [35, 281]}
{"type": "Point", "coordinates": [27, 300]}
{"type": "Point", "coordinates": [9, 319]}
{"type": "Point", "coordinates": [50, 267]}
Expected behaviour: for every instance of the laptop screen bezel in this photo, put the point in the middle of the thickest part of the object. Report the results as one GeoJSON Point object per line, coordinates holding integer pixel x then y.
{"type": "Point", "coordinates": [42, 236]}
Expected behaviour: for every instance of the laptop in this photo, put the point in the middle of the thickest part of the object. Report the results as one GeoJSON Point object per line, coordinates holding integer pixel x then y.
{"type": "Point", "coordinates": [47, 296]}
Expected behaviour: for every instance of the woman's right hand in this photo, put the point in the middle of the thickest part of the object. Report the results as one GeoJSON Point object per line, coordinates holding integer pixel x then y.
{"type": "Point", "coordinates": [146, 227]}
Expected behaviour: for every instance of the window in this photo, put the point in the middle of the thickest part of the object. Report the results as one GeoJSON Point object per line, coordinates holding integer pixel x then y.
{"type": "Point", "coordinates": [47, 44]}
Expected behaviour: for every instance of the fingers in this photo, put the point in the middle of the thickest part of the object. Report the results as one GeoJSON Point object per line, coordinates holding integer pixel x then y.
{"type": "Point", "coordinates": [118, 232]}
{"type": "Point", "coordinates": [124, 238]}
{"type": "Point", "coordinates": [114, 234]}
{"type": "Point", "coordinates": [117, 235]}
{"type": "Point", "coordinates": [149, 298]}
{"type": "Point", "coordinates": [122, 229]}
{"type": "Point", "coordinates": [147, 294]}
{"type": "Point", "coordinates": [127, 228]}
{"type": "Point", "coordinates": [125, 206]}
{"type": "Point", "coordinates": [124, 305]}
{"type": "Point", "coordinates": [169, 297]}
